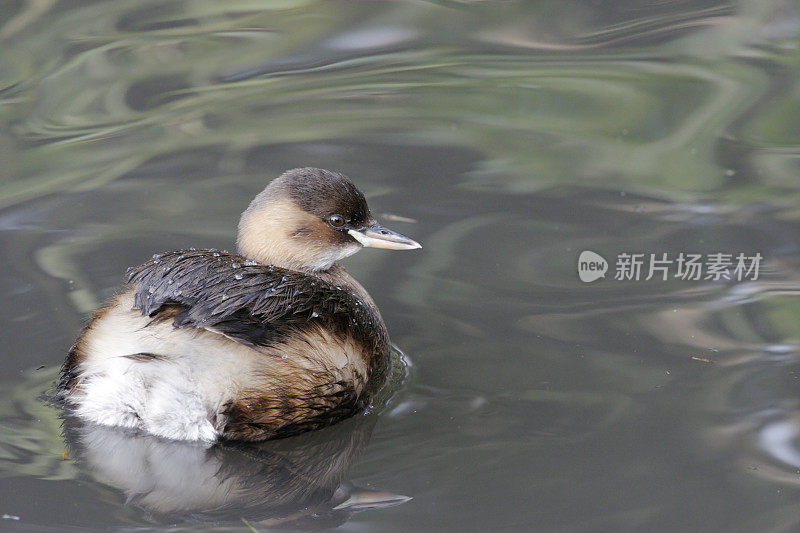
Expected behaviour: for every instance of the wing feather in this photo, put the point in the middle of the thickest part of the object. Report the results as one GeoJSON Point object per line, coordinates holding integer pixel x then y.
{"type": "Point", "coordinates": [251, 303]}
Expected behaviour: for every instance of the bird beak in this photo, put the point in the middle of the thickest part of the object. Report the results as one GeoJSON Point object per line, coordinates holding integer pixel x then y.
{"type": "Point", "coordinates": [377, 236]}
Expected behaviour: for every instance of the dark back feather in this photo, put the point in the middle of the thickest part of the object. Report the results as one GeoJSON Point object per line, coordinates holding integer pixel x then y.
{"type": "Point", "coordinates": [251, 303]}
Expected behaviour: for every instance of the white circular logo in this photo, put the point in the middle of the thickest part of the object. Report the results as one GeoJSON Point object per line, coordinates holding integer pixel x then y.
{"type": "Point", "coordinates": [591, 266]}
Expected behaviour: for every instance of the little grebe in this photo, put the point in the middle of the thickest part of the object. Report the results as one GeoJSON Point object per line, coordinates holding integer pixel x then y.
{"type": "Point", "coordinates": [276, 340]}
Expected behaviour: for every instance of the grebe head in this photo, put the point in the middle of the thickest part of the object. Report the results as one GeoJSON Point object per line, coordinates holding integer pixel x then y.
{"type": "Point", "coordinates": [309, 218]}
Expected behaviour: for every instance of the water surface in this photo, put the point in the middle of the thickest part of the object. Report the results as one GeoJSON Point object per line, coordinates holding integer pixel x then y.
{"type": "Point", "coordinates": [507, 137]}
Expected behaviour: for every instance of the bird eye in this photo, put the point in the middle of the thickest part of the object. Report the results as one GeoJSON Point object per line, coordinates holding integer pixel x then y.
{"type": "Point", "coordinates": [337, 221]}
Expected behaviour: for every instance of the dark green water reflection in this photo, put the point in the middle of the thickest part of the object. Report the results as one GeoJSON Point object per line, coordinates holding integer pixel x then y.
{"type": "Point", "coordinates": [515, 135]}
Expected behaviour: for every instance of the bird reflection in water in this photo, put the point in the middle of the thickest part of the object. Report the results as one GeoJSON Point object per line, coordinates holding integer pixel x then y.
{"type": "Point", "coordinates": [293, 483]}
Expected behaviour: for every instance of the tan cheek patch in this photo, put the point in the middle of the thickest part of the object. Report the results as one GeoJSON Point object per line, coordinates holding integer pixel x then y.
{"type": "Point", "coordinates": [280, 233]}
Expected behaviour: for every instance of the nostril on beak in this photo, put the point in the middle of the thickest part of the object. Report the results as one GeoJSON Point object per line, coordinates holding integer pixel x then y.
{"type": "Point", "coordinates": [384, 232]}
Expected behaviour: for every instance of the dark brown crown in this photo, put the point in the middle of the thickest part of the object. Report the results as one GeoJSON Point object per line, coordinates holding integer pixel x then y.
{"type": "Point", "coordinates": [325, 193]}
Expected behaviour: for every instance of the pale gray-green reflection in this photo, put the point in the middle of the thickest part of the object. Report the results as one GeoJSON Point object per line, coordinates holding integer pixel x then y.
{"type": "Point", "coordinates": [137, 84]}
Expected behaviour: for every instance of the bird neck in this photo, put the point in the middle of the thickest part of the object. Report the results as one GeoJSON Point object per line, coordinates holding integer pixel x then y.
{"type": "Point", "coordinates": [285, 253]}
